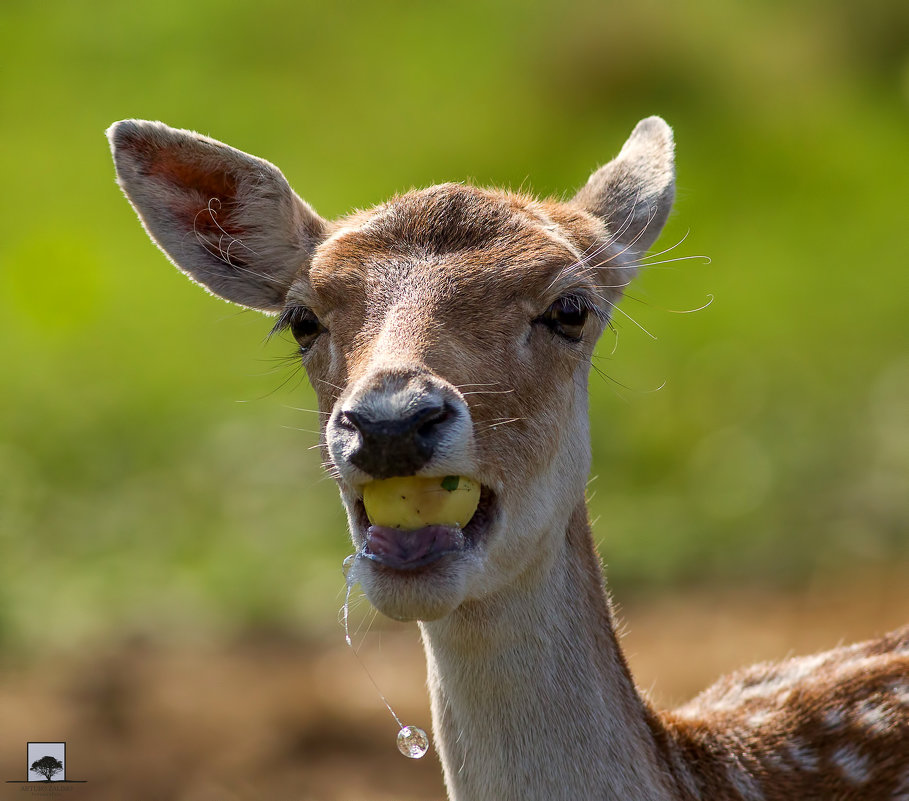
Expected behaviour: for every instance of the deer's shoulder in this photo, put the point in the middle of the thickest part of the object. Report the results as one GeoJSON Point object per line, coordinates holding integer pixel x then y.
{"type": "Point", "coordinates": [828, 725]}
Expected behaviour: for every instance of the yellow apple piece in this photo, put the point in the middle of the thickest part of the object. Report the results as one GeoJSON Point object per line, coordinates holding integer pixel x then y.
{"type": "Point", "coordinates": [413, 502]}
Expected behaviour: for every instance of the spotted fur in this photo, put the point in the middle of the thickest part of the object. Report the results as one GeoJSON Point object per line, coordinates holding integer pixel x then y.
{"type": "Point", "coordinates": [830, 726]}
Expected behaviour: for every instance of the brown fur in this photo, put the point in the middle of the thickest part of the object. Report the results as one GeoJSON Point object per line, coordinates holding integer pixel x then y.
{"type": "Point", "coordinates": [830, 726]}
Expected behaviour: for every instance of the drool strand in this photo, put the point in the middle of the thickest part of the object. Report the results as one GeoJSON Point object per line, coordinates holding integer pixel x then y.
{"type": "Point", "coordinates": [412, 741]}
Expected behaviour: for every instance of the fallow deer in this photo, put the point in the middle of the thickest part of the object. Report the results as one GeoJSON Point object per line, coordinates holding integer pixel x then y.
{"type": "Point", "coordinates": [449, 331]}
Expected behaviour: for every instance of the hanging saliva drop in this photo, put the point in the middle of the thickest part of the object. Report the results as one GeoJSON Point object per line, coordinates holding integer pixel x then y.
{"type": "Point", "coordinates": [412, 741]}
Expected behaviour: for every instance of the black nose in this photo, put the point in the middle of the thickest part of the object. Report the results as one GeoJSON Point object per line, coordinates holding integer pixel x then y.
{"type": "Point", "coordinates": [399, 446]}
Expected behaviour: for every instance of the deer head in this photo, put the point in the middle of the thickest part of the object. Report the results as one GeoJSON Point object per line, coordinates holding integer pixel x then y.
{"type": "Point", "coordinates": [448, 331]}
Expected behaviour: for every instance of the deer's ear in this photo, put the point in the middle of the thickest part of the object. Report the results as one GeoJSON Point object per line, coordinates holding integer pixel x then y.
{"type": "Point", "coordinates": [633, 193]}
{"type": "Point", "coordinates": [228, 220]}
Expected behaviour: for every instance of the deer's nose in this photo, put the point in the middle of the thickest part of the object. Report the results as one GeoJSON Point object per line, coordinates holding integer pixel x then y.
{"type": "Point", "coordinates": [399, 445]}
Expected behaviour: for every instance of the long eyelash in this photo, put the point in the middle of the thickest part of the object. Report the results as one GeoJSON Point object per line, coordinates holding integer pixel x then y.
{"type": "Point", "coordinates": [284, 321]}
{"type": "Point", "coordinates": [581, 300]}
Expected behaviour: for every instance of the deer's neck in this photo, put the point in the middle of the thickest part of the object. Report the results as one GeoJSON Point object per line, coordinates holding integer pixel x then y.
{"type": "Point", "coordinates": [531, 695]}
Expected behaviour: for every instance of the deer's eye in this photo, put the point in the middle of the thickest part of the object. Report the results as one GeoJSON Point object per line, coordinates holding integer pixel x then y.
{"type": "Point", "coordinates": [302, 323]}
{"type": "Point", "coordinates": [566, 317]}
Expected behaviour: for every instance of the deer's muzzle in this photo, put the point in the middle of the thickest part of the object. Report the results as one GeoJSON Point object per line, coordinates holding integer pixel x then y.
{"type": "Point", "coordinates": [399, 424]}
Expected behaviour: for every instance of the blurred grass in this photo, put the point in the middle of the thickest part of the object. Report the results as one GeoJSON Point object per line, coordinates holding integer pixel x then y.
{"type": "Point", "coordinates": [152, 468]}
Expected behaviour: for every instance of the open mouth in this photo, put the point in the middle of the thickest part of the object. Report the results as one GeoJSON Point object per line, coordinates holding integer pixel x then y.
{"type": "Point", "coordinates": [411, 550]}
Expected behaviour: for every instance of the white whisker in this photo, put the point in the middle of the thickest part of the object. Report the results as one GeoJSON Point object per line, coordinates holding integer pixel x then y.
{"type": "Point", "coordinates": [667, 250]}
{"type": "Point", "coordinates": [710, 299]}
{"type": "Point", "coordinates": [639, 263]}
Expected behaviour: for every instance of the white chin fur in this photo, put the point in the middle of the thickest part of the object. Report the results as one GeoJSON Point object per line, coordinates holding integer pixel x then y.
{"type": "Point", "coordinates": [427, 594]}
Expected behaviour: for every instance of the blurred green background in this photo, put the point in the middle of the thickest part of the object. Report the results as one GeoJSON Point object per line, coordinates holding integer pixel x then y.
{"type": "Point", "coordinates": [155, 461]}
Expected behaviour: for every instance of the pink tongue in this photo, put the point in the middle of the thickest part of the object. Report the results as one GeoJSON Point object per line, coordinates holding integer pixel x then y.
{"type": "Point", "coordinates": [401, 549]}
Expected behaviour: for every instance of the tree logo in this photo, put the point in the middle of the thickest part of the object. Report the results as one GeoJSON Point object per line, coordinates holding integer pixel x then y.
{"type": "Point", "coordinates": [47, 763]}
{"type": "Point", "coordinates": [47, 767]}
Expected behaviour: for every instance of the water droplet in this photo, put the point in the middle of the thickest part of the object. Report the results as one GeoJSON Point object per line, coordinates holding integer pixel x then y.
{"type": "Point", "coordinates": [413, 742]}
